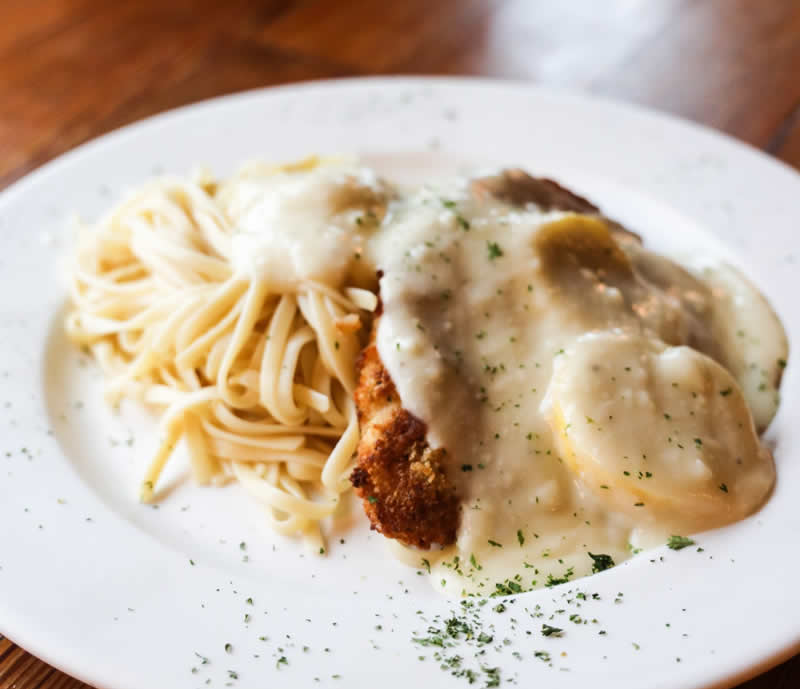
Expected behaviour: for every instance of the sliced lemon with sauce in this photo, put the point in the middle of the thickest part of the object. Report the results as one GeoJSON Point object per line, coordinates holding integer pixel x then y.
{"type": "Point", "coordinates": [656, 431]}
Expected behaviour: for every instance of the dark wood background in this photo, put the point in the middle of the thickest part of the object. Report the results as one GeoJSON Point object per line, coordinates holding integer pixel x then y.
{"type": "Point", "coordinates": [73, 69]}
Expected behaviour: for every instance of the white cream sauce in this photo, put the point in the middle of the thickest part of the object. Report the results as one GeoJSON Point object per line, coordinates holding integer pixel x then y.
{"type": "Point", "coordinates": [569, 374]}
{"type": "Point", "coordinates": [548, 362]}
{"type": "Point", "coordinates": [292, 226]}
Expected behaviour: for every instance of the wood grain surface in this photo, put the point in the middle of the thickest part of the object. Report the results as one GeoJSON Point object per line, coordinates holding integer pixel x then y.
{"type": "Point", "coordinates": [73, 69]}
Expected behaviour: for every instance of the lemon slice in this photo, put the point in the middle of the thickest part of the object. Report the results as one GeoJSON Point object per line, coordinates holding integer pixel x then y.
{"type": "Point", "coordinates": [656, 431]}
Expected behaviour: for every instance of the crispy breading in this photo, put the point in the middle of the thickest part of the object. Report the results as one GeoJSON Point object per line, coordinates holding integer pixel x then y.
{"type": "Point", "coordinates": [400, 478]}
{"type": "Point", "coordinates": [518, 188]}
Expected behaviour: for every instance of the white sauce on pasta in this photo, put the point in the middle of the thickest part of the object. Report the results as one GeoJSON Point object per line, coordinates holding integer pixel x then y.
{"type": "Point", "coordinates": [574, 420]}
{"type": "Point", "coordinates": [228, 309]}
{"type": "Point", "coordinates": [291, 227]}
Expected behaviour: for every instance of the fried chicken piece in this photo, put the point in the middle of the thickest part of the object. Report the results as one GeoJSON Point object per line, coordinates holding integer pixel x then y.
{"type": "Point", "coordinates": [518, 188]}
{"type": "Point", "coordinates": [400, 478]}
{"type": "Point", "coordinates": [402, 481]}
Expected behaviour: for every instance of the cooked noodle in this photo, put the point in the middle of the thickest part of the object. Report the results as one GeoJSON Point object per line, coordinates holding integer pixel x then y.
{"type": "Point", "coordinates": [257, 382]}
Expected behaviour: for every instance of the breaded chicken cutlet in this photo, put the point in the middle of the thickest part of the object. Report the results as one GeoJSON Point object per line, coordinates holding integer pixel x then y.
{"type": "Point", "coordinates": [403, 482]}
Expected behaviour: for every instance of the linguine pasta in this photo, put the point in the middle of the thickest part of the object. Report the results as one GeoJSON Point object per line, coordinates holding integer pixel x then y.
{"type": "Point", "coordinates": [255, 380]}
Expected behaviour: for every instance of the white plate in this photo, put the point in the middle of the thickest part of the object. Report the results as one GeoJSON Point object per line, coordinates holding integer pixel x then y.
{"type": "Point", "coordinates": [103, 587]}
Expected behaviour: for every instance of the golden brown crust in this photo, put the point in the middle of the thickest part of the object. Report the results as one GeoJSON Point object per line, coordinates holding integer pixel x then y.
{"type": "Point", "coordinates": [401, 480]}
{"type": "Point", "coordinates": [518, 188]}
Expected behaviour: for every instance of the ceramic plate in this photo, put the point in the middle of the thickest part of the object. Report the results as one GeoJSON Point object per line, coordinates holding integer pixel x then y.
{"type": "Point", "coordinates": [199, 591]}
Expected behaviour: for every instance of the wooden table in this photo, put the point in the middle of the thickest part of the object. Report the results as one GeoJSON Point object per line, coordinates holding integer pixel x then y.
{"type": "Point", "coordinates": [73, 69]}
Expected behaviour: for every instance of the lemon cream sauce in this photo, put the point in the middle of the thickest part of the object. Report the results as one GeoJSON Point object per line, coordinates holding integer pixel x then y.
{"type": "Point", "coordinates": [302, 222]}
{"type": "Point", "coordinates": [593, 398]}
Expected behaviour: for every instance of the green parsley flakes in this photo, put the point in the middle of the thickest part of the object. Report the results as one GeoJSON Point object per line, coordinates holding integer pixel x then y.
{"type": "Point", "coordinates": [679, 542]}
{"type": "Point", "coordinates": [548, 630]}
{"type": "Point", "coordinates": [601, 562]}
{"type": "Point", "coordinates": [494, 250]}
{"type": "Point", "coordinates": [555, 581]}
